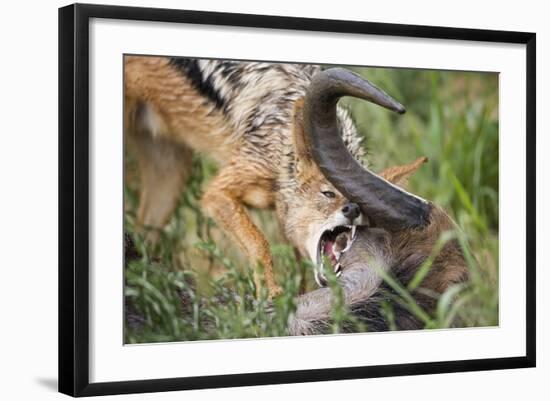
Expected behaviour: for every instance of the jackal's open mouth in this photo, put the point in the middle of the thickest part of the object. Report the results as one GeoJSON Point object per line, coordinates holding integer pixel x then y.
{"type": "Point", "coordinates": [332, 244]}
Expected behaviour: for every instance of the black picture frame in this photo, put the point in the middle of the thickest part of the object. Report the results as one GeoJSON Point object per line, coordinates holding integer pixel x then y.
{"type": "Point", "coordinates": [74, 194]}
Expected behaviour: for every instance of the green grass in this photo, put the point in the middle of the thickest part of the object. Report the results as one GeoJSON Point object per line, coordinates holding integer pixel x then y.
{"type": "Point", "coordinates": [199, 287]}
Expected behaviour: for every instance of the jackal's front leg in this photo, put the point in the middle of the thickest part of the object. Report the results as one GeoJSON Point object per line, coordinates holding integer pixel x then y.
{"type": "Point", "coordinates": [223, 202]}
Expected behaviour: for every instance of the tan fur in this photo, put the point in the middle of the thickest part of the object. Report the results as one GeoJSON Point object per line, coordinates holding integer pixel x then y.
{"type": "Point", "coordinates": [399, 175]}
{"type": "Point", "coordinates": [307, 209]}
{"type": "Point", "coordinates": [400, 253]}
{"type": "Point", "coordinates": [183, 115]}
{"type": "Point", "coordinates": [449, 266]}
{"type": "Point", "coordinates": [167, 119]}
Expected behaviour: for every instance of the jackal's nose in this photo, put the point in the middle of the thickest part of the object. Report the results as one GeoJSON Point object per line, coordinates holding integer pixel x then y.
{"type": "Point", "coordinates": [351, 211]}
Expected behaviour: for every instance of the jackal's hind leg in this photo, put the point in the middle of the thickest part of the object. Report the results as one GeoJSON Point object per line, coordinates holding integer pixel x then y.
{"type": "Point", "coordinates": [164, 169]}
{"type": "Point", "coordinates": [223, 202]}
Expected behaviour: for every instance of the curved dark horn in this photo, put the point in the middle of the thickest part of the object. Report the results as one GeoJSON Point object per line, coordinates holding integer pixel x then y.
{"type": "Point", "coordinates": [384, 203]}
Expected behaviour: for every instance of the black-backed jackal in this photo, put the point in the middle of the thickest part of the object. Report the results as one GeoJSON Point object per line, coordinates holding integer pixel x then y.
{"type": "Point", "coordinates": [254, 120]}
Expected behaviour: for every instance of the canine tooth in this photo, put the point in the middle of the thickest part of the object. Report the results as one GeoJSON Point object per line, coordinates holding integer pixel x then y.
{"type": "Point", "coordinates": [320, 279]}
{"type": "Point", "coordinates": [337, 269]}
{"type": "Point", "coordinates": [353, 228]}
{"type": "Point", "coordinates": [348, 246]}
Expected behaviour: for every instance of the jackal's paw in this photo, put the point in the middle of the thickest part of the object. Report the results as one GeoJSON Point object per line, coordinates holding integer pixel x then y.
{"type": "Point", "coordinates": [275, 291]}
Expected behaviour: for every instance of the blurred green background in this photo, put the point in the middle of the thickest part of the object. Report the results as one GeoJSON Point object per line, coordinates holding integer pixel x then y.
{"type": "Point", "coordinates": [452, 118]}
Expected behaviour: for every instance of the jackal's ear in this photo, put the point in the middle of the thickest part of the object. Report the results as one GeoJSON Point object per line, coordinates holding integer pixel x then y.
{"type": "Point", "coordinates": [301, 145]}
{"type": "Point", "coordinates": [399, 175]}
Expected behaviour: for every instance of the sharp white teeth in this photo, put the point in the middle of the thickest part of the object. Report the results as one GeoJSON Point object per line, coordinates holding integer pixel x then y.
{"type": "Point", "coordinates": [348, 246]}
{"type": "Point", "coordinates": [320, 279]}
{"type": "Point", "coordinates": [353, 228]}
{"type": "Point", "coordinates": [337, 269]}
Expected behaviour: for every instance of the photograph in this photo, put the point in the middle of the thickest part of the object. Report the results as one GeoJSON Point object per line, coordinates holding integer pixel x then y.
{"type": "Point", "coordinates": [299, 198]}
{"type": "Point", "coordinates": [279, 199]}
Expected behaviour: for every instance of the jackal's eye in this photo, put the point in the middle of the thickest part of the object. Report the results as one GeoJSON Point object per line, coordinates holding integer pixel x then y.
{"type": "Point", "coordinates": [329, 194]}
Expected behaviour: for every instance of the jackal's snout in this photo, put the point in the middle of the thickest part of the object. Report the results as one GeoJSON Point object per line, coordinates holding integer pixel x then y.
{"type": "Point", "coordinates": [351, 211]}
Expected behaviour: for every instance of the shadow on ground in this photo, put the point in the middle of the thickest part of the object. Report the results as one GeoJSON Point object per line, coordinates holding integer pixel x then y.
{"type": "Point", "coordinates": [48, 382]}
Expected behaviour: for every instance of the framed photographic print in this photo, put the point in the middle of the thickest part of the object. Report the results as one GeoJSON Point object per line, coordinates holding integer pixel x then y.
{"type": "Point", "coordinates": [250, 199]}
